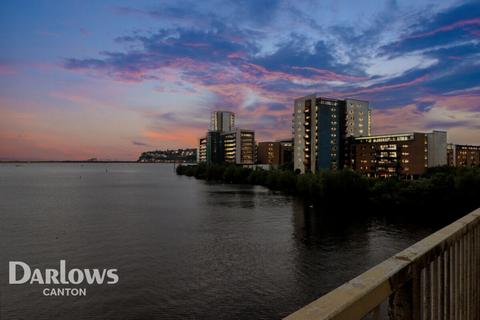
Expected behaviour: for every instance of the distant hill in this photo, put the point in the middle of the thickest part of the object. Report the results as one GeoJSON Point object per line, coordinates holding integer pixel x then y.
{"type": "Point", "coordinates": [178, 155]}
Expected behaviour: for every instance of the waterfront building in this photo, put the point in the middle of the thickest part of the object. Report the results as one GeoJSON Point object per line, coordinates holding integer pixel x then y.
{"type": "Point", "coordinates": [225, 143]}
{"type": "Point", "coordinates": [437, 148]}
{"type": "Point", "coordinates": [275, 153]}
{"type": "Point", "coordinates": [321, 127]}
{"type": "Point", "coordinates": [268, 152]}
{"type": "Point", "coordinates": [239, 146]}
{"type": "Point", "coordinates": [222, 121]}
{"type": "Point", "coordinates": [286, 151]}
{"type": "Point", "coordinates": [463, 155]}
{"type": "Point", "coordinates": [202, 150]}
{"type": "Point", "coordinates": [404, 154]}
{"type": "Point", "coordinates": [210, 148]}
{"type": "Point", "coordinates": [214, 147]}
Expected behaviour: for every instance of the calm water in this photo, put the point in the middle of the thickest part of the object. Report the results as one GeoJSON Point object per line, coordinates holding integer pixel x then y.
{"type": "Point", "coordinates": [185, 249]}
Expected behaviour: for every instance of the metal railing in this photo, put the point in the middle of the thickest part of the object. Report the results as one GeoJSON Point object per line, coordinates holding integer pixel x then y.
{"type": "Point", "coordinates": [436, 278]}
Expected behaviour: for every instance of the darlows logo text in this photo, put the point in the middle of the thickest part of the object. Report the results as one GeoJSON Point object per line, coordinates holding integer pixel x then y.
{"type": "Point", "coordinates": [59, 281]}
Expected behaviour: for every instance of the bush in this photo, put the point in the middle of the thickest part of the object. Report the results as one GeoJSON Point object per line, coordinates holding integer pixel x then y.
{"type": "Point", "coordinates": [439, 192]}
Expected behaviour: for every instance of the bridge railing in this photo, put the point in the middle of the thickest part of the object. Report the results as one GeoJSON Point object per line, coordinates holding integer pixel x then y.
{"type": "Point", "coordinates": [436, 278]}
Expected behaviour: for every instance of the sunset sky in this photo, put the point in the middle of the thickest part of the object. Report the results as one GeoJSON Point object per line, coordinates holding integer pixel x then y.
{"type": "Point", "coordinates": [110, 79]}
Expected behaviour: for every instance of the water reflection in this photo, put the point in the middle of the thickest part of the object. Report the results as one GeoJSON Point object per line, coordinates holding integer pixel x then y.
{"type": "Point", "coordinates": [223, 196]}
{"type": "Point", "coordinates": [184, 248]}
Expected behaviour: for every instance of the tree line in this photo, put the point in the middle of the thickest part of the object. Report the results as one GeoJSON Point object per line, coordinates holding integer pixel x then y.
{"type": "Point", "coordinates": [438, 192]}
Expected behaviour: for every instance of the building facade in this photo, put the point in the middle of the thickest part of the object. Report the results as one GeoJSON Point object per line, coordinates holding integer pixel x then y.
{"type": "Point", "coordinates": [202, 150]}
{"type": "Point", "coordinates": [214, 147]}
{"type": "Point", "coordinates": [222, 121]}
{"type": "Point", "coordinates": [320, 130]}
{"type": "Point", "coordinates": [269, 153]}
{"type": "Point", "coordinates": [437, 148]}
{"type": "Point", "coordinates": [210, 149]}
{"type": "Point", "coordinates": [225, 143]}
{"type": "Point", "coordinates": [462, 155]}
{"type": "Point", "coordinates": [275, 153]}
{"type": "Point", "coordinates": [405, 154]}
{"type": "Point", "coordinates": [286, 151]}
{"type": "Point", "coordinates": [239, 146]}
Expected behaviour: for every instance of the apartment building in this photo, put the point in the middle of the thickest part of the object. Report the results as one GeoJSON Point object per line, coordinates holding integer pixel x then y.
{"type": "Point", "coordinates": [239, 146]}
{"type": "Point", "coordinates": [463, 155]}
{"type": "Point", "coordinates": [275, 153]}
{"type": "Point", "coordinates": [321, 127]}
{"type": "Point", "coordinates": [404, 154]}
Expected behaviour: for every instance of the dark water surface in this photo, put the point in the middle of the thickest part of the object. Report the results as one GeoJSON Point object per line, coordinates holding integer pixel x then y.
{"type": "Point", "coordinates": [184, 249]}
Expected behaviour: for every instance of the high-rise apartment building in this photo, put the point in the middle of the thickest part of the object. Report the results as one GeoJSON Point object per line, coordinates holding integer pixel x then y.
{"type": "Point", "coordinates": [225, 143]}
{"type": "Point", "coordinates": [222, 121]}
{"type": "Point", "coordinates": [202, 150]}
{"type": "Point", "coordinates": [239, 146]}
{"type": "Point", "coordinates": [321, 127]}
{"type": "Point", "coordinates": [214, 148]}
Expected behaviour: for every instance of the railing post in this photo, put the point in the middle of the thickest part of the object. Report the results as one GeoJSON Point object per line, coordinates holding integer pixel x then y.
{"type": "Point", "coordinates": [401, 304]}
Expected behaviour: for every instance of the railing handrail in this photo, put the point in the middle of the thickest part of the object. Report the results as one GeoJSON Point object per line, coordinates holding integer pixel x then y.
{"type": "Point", "coordinates": [359, 296]}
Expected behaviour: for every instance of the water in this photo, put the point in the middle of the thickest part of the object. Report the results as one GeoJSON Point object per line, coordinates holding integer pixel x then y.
{"type": "Point", "coordinates": [184, 248]}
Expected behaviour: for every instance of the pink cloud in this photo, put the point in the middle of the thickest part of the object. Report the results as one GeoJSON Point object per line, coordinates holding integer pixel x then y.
{"type": "Point", "coordinates": [467, 101]}
{"type": "Point", "coordinates": [327, 74]}
{"type": "Point", "coordinates": [475, 33]}
{"type": "Point", "coordinates": [458, 24]}
{"type": "Point", "coordinates": [175, 136]}
{"type": "Point", "coordinates": [196, 44]}
{"type": "Point", "coordinates": [6, 69]}
{"type": "Point", "coordinates": [398, 119]}
{"type": "Point", "coordinates": [391, 86]}
{"type": "Point", "coordinates": [237, 55]}
{"type": "Point", "coordinates": [459, 114]}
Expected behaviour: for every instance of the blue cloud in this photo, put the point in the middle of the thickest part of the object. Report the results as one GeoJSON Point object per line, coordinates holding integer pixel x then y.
{"type": "Point", "coordinates": [390, 60]}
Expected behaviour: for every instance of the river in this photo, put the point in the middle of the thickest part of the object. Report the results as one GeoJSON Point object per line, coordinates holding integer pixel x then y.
{"type": "Point", "coordinates": [183, 248]}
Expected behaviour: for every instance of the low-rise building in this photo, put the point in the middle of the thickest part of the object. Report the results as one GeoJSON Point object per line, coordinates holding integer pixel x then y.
{"type": "Point", "coordinates": [275, 153]}
{"type": "Point", "coordinates": [404, 154]}
{"type": "Point", "coordinates": [286, 151]}
{"type": "Point", "coordinates": [463, 155]}
{"type": "Point", "coordinates": [269, 153]}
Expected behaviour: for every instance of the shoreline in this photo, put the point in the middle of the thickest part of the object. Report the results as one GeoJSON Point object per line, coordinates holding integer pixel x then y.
{"type": "Point", "coordinates": [439, 192]}
{"type": "Point", "coordinates": [86, 161]}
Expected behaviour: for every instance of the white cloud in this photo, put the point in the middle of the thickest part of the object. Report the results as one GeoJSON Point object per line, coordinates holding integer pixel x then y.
{"type": "Point", "coordinates": [394, 67]}
{"type": "Point", "coordinates": [462, 124]}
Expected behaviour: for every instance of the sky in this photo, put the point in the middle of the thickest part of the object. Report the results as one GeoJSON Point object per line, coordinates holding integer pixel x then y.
{"type": "Point", "coordinates": [111, 79]}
